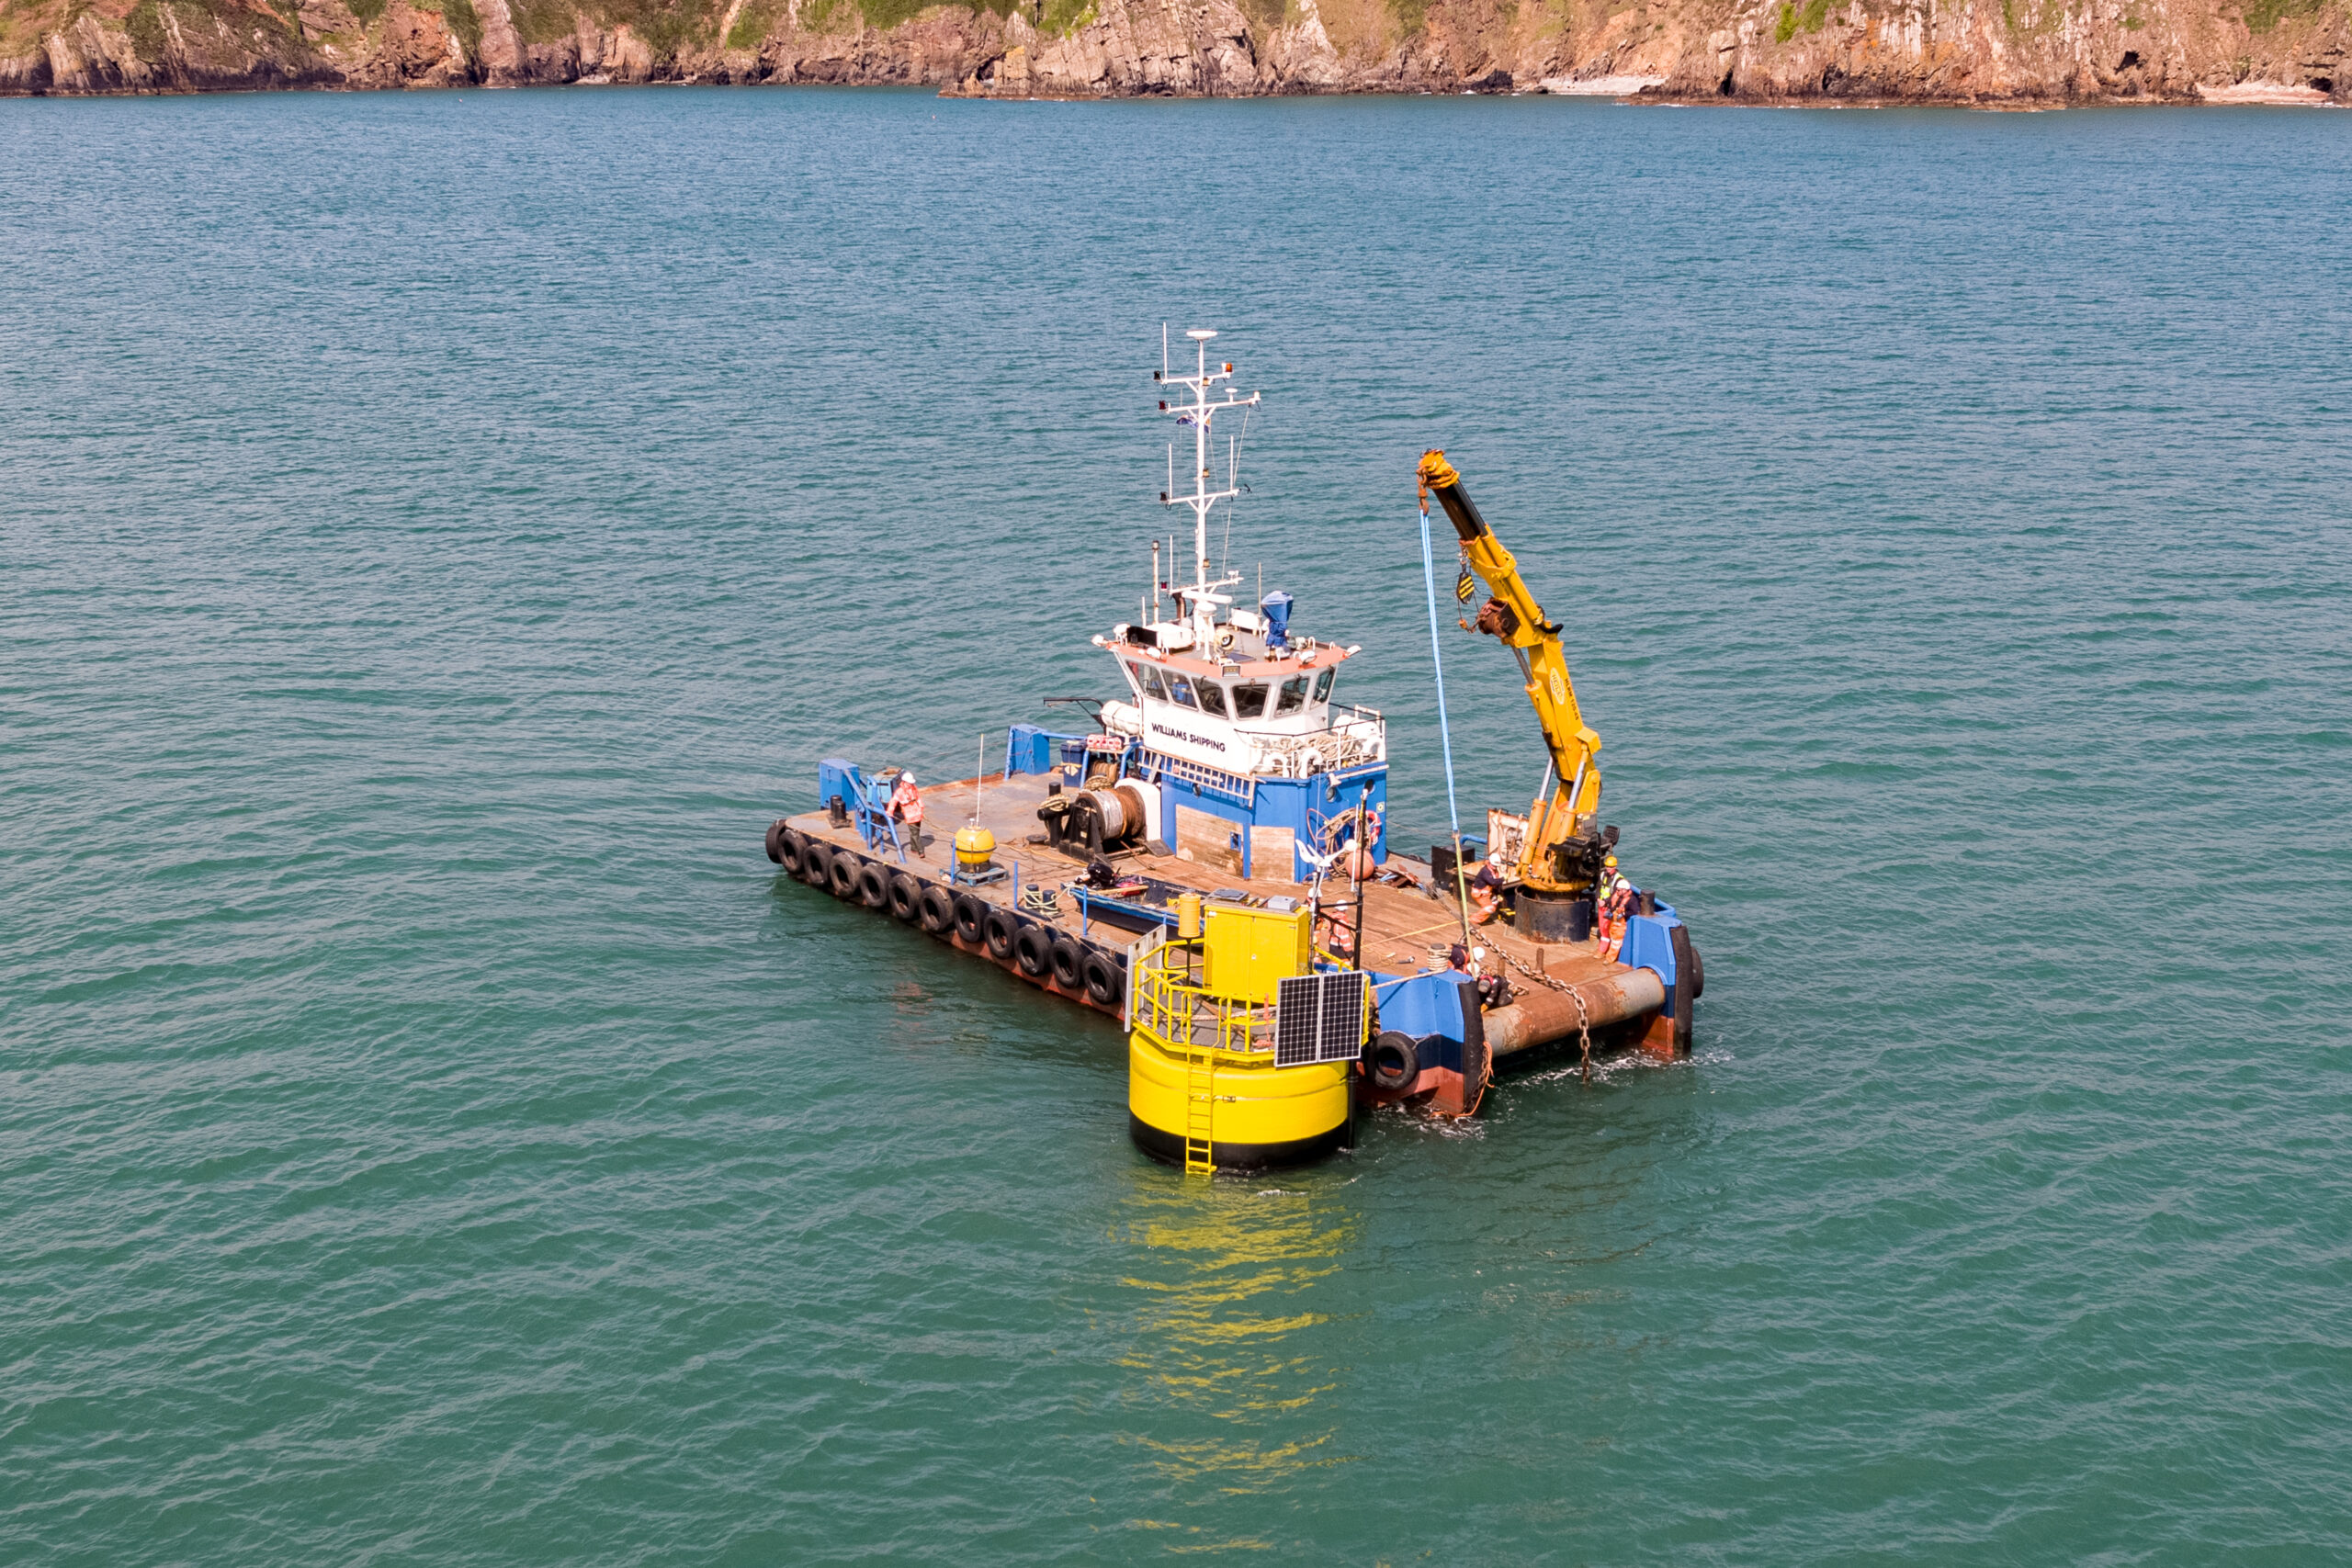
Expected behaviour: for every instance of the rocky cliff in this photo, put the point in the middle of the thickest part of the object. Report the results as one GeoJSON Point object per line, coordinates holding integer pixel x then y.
{"type": "Point", "coordinates": [1998, 51]}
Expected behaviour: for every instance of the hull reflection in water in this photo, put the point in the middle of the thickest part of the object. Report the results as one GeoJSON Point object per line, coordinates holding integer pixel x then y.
{"type": "Point", "coordinates": [1230, 1348]}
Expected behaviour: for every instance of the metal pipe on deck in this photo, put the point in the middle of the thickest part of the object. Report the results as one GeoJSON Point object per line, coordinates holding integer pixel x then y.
{"type": "Point", "coordinates": [1545, 1017]}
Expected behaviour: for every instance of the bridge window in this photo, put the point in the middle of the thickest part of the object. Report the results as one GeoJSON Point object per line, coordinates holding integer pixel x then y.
{"type": "Point", "coordinates": [1149, 676]}
{"type": "Point", "coordinates": [1212, 698]}
{"type": "Point", "coordinates": [1250, 700]}
{"type": "Point", "coordinates": [1294, 696]}
{"type": "Point", "coordinates": [1323, 686]}
{"type": "Point", "coordinates": [1179, 689]}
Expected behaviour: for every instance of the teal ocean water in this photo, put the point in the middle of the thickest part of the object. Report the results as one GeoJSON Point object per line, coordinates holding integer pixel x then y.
{"type": "Point", "coordinates": [439, 532]}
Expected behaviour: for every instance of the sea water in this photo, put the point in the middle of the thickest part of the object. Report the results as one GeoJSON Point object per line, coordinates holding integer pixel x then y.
{"type": "Point", "coordinates": [440, 531]}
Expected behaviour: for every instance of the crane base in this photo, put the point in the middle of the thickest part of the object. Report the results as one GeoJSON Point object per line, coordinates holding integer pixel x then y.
{"type": "Point", "coordinates": [1554, 916]}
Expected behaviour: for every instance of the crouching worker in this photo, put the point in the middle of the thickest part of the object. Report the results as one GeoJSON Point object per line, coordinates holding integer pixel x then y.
{"type": "Point", "coordinates": [1487, 889]}
{"type": "Point", "coordinates": [906, 805]}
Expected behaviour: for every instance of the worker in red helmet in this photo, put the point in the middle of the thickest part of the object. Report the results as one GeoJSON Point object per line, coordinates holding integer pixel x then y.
{"type": "Point", "coordinates": [906, 805]}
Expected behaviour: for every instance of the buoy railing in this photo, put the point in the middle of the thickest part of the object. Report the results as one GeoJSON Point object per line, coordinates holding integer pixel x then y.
{"type": "Point", "coordinates": [1183, 1017]}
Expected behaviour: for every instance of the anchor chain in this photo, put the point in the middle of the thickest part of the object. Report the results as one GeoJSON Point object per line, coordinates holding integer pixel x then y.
{"type": "Point", "coordinates": [1584, 1017]}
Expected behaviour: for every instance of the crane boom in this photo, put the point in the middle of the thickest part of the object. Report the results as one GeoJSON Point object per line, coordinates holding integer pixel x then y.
{"type": "Point", "coordinates": [1555, 823]}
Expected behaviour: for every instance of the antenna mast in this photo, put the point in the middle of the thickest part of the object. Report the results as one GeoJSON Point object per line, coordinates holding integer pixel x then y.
{"type": "Point", "coordinates": [1202, 597]}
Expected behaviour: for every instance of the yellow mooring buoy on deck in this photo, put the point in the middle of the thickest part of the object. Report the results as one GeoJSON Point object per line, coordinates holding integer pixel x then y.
{"type": "Point", "coordinates": [1205, 1088]}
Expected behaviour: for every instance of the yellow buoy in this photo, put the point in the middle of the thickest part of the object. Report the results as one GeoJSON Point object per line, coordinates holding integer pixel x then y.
{"type": "Point", "coordinates": [1203, 1087]}
{"type": "Point", "coordinates": [973, 847]}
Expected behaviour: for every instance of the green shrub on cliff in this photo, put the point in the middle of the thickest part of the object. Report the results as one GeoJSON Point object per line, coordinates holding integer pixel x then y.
{"type": "Point", "coordinates": [2261, 15]}
{"type": "Point", "coordinates": [1812, 20]}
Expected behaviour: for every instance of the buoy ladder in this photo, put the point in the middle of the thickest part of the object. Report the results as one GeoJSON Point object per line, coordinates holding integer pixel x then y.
{"type": "Point", "coordinates": [1200, 1110]}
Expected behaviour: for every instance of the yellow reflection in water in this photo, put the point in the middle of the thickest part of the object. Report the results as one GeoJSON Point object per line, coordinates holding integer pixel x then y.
{"type": "Point", "coordinates": [1231, 1275]}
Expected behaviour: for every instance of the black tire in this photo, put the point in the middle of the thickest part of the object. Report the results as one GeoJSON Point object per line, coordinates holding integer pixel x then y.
{"type": "Point", "coordinates": [1698, 974]}
{"type": "Point", "coordinates": [1105, 987]}
{"type": "Point", "coordinates": [1686, 985]}
{"type": "Point", "coordinates": [998, 929]}
{"type": "Point", "coordinates": [843, 879]}
{"type": "Point", "coordinates": [776, 832]}
{"type": "Point", "coordinates": [935, 909]}
{"type": "Point", "coordinates": [873, 886]}
{"type": "Point", "coordinates": [1069, 964]}
{"type": "Point", "coordinates": [1032, 949]}
{"type": "Point", "coordinates": [791, 848]}
{"type": "Point", "coordinates": [1393, 1061]}
{"type": "Point", "coordinates": [905, 898]}
{"type": "Point", "coordinates": [817, 865]}
{"type": "Point", "coordinates": [971, 918]}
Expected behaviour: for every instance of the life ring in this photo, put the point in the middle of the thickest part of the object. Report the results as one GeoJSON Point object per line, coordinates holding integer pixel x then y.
{"type": "Point", "coordinates": [1104, 987]}
{"type": "Point", "coordinates": [905, 898]}
{"type": "Point", "coordinates": [938, 910]}
{"type": "Point", "coordinates": [1032, 949]}
{"type": "Point", "coordinates": [1069, 964]}
{"type": "Point", "coordinates": [843, 877]}
{"type": "Point", "coordinates": [971, 916]}
{"type": "Point", "coordinates": [776, 832]}
{"type": "Point", "coordinates": [1393, 1061]}
{"type": "Point", "coordinates": [998, 929]}
{"type": "Point", "coordinates": [817, 865]}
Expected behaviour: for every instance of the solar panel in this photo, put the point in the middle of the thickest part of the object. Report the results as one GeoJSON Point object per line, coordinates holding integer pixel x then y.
{"type": "Point", "coordinates": [1320, 1018]}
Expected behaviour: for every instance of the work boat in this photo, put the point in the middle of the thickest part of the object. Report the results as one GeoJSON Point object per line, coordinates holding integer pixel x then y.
{"type": "Point", "coordinates": [1208, 861]}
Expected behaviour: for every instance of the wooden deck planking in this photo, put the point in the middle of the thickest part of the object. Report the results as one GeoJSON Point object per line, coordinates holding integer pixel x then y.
{"type": "Point", "coordinates": [1405, 929]}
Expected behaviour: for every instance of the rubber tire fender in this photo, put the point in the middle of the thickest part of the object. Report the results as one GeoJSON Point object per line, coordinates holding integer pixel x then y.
{"type": "Point", "coordinates": [817, 865]}
{"type": "Point", "coordinates": [1686, 987]}
{"type": "Point", "coordinates": [971, 918]}
{"type": "Point", "coordinates": [778, 836]}
{"type": "Point", "coordinates": [873, 886]}
{"type": "Point", "coordinates": [938, 910]}
{"type": "Point", "coordinates": [1033, 951]}
{"type": "Point", "coordinates": [1393, 1061]}
{"type": "Point", "coordinates": [905, 898]}
{"type": "Point", "coordinates": [842, 879]}
{"type": "Point", "coordinates": [998, 929]}
{"type": "Point", "coordinates": [1698, 974]}
{"type": "Point", "coordinates": [1105, 985]}
{"type": "Point", "coordinates": [1069, 964]}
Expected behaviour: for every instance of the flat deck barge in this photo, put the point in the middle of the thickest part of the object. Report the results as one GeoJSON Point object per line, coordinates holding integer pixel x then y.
{"type": "Point", "coordinates": [1563, 993]}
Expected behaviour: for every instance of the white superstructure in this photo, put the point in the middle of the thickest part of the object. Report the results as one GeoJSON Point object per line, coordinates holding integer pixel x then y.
{"type": "Point", "coordinates": [1231, 689]}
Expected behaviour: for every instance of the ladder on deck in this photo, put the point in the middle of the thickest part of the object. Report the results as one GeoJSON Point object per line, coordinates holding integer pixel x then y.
{"type": "Point", "coordinates": [1200, 1110]}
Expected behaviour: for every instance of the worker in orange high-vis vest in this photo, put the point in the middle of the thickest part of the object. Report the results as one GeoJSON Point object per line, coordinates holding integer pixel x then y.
{"type": "Point", "coordinates": [906, 805]}
{"type": "Point", "coordinates": [1613, 903]}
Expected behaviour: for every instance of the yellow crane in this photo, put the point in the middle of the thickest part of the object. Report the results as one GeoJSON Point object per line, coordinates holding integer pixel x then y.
{"type": "Point", "coordinates": [1560, 861]}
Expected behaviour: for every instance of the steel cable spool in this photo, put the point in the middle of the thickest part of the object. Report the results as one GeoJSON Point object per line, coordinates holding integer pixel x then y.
{"type": "Point", "coordinates": [1119, 808]}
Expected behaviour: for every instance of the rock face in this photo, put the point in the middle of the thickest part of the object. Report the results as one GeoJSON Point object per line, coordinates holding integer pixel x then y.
{"type": "Point", "coordinates": [1991, 52]}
